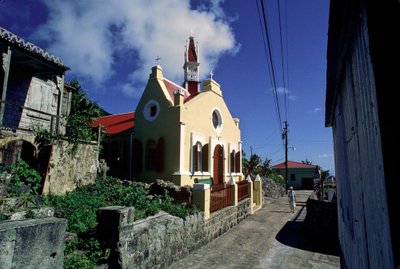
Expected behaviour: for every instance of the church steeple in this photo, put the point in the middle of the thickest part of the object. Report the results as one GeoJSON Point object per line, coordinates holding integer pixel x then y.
{"type": "Point", "coordinates": [191, 67]}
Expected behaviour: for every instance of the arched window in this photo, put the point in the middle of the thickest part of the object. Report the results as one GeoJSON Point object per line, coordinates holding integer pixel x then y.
{"type": "Point", "coordinates": [232, 157]}
{"type": "Point", "coordinates": [160, 155]}
{"type": "Point", "coordinates": [137, 157]}
{"type": "Point", "coordinates": [205, 158]}
{"type": "Point", "coordinates": [151, 154]}
{"type": "Point", "coordinates": [197, 157]}
{"type": "Point", "coordinates": [238, 161]}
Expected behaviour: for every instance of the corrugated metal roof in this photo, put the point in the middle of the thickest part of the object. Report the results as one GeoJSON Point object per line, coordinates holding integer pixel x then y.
{"type": "Point", "coordinates": [115, 124]}
{"type": "Point", "coordinates": [30, 47]}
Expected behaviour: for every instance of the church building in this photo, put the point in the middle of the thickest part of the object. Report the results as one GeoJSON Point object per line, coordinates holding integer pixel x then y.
{"type": "Point", "coordinates": [184, 133]}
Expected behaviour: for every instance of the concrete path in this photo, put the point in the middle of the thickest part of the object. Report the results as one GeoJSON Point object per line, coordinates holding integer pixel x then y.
{"type": "Point", "coordinates": [271, 238]}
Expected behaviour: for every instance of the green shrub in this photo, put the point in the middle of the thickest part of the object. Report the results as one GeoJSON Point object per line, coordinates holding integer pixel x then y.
{"type": "Point", "coordinates": [22, 174]}
{"type": "Point", "coordinates": [79, 208]}
{"type": "Point", "coordinates": [176, 209]}
{"type": "Point", "coordinates": [3, 216]}
{"type": "Point", "coordinates": [277, 178]}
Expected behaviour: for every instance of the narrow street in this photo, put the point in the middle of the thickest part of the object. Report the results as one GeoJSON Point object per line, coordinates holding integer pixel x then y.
{"type": "Point", "coordinates": [271, 238]}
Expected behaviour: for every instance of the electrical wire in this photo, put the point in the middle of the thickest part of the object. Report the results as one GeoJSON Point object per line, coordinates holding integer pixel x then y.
{"type": "Point", "coordinates": [268, 48]}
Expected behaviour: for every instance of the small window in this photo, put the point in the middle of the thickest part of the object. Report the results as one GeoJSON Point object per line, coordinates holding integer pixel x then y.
{"type": "Point", "coordinates": [153, 111]}
{"type": "Point", "coordinates": [204, 153]}
{"type": "Point", "coordinates": [292, 177]}
{"type": "Point", "coordinates": [233, 162]}
{"type": "Point", "coordinates": [216, 120]}
{"type": "Point", "coordinates": [238, 160]}
{"type": "Point", "coordinates": [151, 155]}
{"type": "Point", "coordinates": [197, 157]}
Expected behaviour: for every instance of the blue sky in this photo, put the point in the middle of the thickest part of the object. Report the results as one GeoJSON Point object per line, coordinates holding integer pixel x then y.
{"type": "Point", "coordinates": [111, 46]}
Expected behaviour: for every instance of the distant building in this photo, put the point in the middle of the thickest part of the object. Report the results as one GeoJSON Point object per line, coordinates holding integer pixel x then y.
{"type": "Point", "coordinates": [362, 77]}
{"type": "Point", "coordinates": [117, 147]}
{"type": "Point", "coordinates": [300, 175]}
{"type": "Point", "coordinates": [184, 133]}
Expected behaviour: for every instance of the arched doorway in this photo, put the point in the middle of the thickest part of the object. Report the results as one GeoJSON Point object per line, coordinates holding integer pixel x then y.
{"type": "Point", "coordinates": [218, 165]}
{"type": "Point", "coordinates": [19, 149]}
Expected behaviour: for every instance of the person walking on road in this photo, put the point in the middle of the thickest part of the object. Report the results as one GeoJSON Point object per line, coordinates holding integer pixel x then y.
{"type": "Point", "coordinates": [292, 199]}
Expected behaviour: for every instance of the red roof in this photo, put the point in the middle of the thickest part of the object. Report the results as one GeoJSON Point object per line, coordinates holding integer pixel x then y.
{"type": "Point", "coordinates": [115, 124]}
{"type": "Point", "coordinates": [172, 87]}
{"type": "Point", "coordinates": [291, 164]}
{"type": "Point", "coordinates": [192, 55]}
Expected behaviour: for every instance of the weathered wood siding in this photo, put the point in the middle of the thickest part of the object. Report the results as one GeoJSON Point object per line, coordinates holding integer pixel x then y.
{"type": "Point", "coordinates": [363, 214]}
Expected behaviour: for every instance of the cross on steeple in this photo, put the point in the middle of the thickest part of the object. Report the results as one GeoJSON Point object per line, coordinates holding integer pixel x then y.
{"type": "Point", "coordinates": [158, 59]}
{"type": "Point", "coordinates": [211, 74]}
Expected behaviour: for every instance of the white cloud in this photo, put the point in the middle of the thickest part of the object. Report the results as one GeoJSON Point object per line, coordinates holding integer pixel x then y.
{"type": "Point", "coordinates": [290, 95]}
{"type": "Point", "coordinates": [89, 35]}
{"type": "Point", "coordinates": [325, 155]}
{"type": "Point", "coordinates": [315, 110]}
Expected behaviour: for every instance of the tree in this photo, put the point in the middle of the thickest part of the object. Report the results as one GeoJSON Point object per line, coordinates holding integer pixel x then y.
{"type": "Point", "coordinates": [324, 174]}
{"type": "Point", "coordinates": [255, 166]}
{"type": "Point", "coordinates": [83, 110]}
{"type": "Point", "coordinates": [306, 161]}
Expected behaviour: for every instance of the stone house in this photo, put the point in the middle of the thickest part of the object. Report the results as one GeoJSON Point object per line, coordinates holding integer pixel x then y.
{"type": "Point", "coordinates": [362, 76]}
{"type": "Point", "coordinates": [33, 95]}
{"type": "Point", "coordinates": [300, 175]}
{"type": "Point", "coordinates": [184, 133]}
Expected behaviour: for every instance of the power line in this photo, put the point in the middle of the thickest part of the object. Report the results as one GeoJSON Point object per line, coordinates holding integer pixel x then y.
{"type": "Point", "coordinates": [282, 59]}
{"type": "Point", "coordinates": [267, 47]}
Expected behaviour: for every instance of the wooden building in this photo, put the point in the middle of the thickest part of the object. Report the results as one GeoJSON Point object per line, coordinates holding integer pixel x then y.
{"type": "Point", "coordinates": [362, 77]}
{"type": "Point", "coordinates": [32, 94]}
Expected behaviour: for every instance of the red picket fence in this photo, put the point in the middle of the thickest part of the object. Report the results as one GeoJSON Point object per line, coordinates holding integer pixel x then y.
{"type": "Point", "coordinates": [243, 190]}
{"type": "Point", "coordinates": [221, 197]}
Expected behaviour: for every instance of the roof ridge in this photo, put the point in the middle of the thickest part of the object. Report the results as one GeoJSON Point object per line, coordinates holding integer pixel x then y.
{"type": "Point", "coordinates": [29, 46]}
{"type": "Point", "coordinates": [176, 85]}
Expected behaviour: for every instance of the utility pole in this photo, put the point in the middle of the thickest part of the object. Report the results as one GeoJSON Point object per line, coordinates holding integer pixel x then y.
{"type": "Point", "coordinates": [285, 136]}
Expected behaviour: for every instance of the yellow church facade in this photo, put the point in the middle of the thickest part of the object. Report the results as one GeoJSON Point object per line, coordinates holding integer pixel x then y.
{"type": "Point", "coordinates": [183, 134]}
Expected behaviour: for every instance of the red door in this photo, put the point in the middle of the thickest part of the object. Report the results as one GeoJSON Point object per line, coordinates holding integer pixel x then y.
{"type": "Point", "coordinates": [218, 165]}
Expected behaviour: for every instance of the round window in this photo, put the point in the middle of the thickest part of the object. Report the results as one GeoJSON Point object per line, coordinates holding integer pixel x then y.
{"type": "Point", "coordinates": [216, 120]}
{"type": "Point", "coordinates": [151, 110]}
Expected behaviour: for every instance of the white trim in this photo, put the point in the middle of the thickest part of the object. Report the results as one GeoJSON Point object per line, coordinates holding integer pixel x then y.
{"type": "Point", "coordinates": [199, 173]}
{"type": "Point", "coordinates": [147, 107]}
{"type": "Point", "coordinates": [196, 138]}
{"type": "Point", "coordinates": [182, 147]}
{"type": "Point", "coordinates": [181, 173]}
{"type": "Point", "coordinates": [218, 129]}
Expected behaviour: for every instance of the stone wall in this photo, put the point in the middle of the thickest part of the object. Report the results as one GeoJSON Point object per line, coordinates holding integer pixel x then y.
{"type": "Point", "coordinates": [34, 243]}
{"type": "Point", "coordinates": [68, 170]}
{"type": "Point", "coordinates": [158, 241]}
{"type": "Point", "coordinates": [322, 219]}
{"type": "Point", "coordinates": [271, 189]}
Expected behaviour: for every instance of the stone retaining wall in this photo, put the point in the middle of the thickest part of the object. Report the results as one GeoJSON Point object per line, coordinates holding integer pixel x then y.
{"type": "Point", "coordinates": [158, 241]}
{"type": "Point", "coordinates": [34, 243]}
{"type": "Point", "coordinates": [272, 190]}
{"type": "Point", "coordinates": [68, 170]}
{"type": "Point", "coordinates": [322, 219]}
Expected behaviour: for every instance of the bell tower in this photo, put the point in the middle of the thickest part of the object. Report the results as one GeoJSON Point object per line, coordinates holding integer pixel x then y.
{"type": "Point", "coordinates": [191, 67]}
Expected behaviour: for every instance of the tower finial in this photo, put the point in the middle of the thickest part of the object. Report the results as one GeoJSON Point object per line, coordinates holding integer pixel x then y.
{"type": "Point", "coordinates": [191, 33]}
{"type": "Point", "coordinates": [210, 76]}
